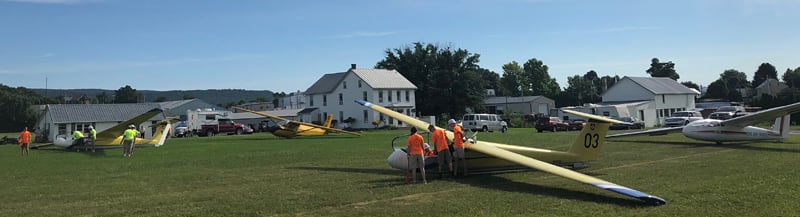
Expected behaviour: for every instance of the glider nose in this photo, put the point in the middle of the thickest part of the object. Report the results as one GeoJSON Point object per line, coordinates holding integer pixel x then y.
{"type": "Point", "coordinates": [398, 159]}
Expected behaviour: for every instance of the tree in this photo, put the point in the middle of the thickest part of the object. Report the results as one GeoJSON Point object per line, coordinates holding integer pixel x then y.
{"type": "Point", "coordinates": [765, 71]}
{"type": "Point", "coordinates": [491, 80]}
{"type": "Point", "coordinates": [659, 69]}
{"type": "Point", "coordinates": [538, 80]}
{"type": "Point", "coordinates": [447, 79]}
{"type": "Point", "coordinates": [717, 90]}
{"type": "Point", "coordinates": [512, 75]}
{"type": "Point", "coordinates": [792, 77]}
{"type": "Point", "coordinates": [578, 92]}
{"type": "Point", "coordinates": [607, 82]}
{"type": "Point", "coordinates": [690, 84]}
{"type": "Point", "coordinates": [103, 98]}
{"type": "Point", "coordinates": [126, 94]}
{"type": "Point", "coordinates": [734, 79]}
{"type": "Point", "coordinates": [161, 99]}
{"type": "Point", "coordinates": [16, 107]}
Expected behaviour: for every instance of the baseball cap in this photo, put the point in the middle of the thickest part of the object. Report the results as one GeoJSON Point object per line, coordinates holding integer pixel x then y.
{"type": "Point", "coordinates": [451, 121]}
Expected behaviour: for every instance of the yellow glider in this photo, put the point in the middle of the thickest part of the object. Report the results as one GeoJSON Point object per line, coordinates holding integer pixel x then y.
{"type": "Point", "coordinates": [586, 148]}
{"type": "Point", "coordinates": [113, 136]}
{"type": "Point", "coordinates": [291, 129]}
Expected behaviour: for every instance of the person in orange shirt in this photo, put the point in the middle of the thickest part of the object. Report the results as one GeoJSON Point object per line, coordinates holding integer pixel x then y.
{"type": "Point", "coordinates": [439, 141]}
{"type": "Point", "coordinates": [458, 145]}
{"type": "Point", "coordinates": [415, 155]}
{"type": "Point", "coordinates": [24, 142]}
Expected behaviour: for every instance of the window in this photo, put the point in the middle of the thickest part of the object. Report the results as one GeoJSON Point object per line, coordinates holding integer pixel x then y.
{"type": "Point", "coordinates": [365, 95]}
{"type": "Point", "coordinates": [62, 129]}
{"type": "Point", "coordinates": [391, 121]}
{"type": "Point", "coordinates": [389, 95]}
{"type": "Point", "coordinates": [606, 114]}
{"type": "Point", "coordinates": [341, 100]}
{"type": "Point", "coordinates": [366, 118]}
{"type": "Point", "coordinates": [359, 83]}
{"type": "Point", "coordinates": [311, 100]}
{"type": "Point", "coordinates": [407, 96]}
{"type": "Point", "coordinates": [398, 96]}
{"type": "Point", "coordinates": [344, 85]}
{"type": "Point", "coordinates": [341, 114]}
{"type": "Point", "coordinates": [663, 99]}
{"type": "Point", "coordinates": [380, 96]}
{"type": "Point", "coordinates": [211, 117]}
{"type": "Point", "coordinates": [325, 101]}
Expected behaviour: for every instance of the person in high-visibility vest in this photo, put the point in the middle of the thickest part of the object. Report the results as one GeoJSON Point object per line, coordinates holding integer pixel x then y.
{"type": "Point", "coordinates": [24, 142]}
{"type": "Point", "coordinates": [92, 138]}
{"type": "Point", "coordinates": [78, 140]}
{"type": "Point", "coordinates": [128, 140]}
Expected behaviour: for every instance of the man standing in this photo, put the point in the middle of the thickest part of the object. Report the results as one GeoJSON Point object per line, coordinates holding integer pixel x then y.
{"type": "Point", "coordinates": [439, 141]}
{"type": "Point", "coordinates": [78, 140]}
{"type": "Point", "coordinates": [129, 140]}
{"type": "Point", "coordinates": [415, 155]}
{"type": "Point", "coordinates": [92, 138]}
{"type": "Point", "coordinates": [458, 145]}
{"type": "Point", "coordinates": [24, 142]}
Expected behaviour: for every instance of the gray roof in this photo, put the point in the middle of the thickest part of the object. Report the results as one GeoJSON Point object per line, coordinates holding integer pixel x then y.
{"type": "Point", "coordinates": [662, 85]}
{"type": "Point", "coordinates": [179, 107]}
{"type": "Point", "coordinates": [72, 113]}
{"type": "Point", "coordinates": [326, 84]}
{"type": "Point", "coordinates": [306, 110]}
{"type": "Point", "coordinates": [503, 99]}
{"type": "Point", "coordinates": [384, 79]}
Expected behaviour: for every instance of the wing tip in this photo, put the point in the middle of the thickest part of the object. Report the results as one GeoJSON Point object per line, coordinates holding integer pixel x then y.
{"type": "Point", "coordinates": [362, 102]}
{"type": "Point", "coordinates": [650, 199]}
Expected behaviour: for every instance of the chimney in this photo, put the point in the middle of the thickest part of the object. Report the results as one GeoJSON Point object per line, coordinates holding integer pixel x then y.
{"type": "Point", "coordinates": [353, 66]}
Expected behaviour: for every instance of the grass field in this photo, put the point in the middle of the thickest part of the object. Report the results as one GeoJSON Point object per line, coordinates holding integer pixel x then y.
{"type": "Point", "coordinates": [261, 175]}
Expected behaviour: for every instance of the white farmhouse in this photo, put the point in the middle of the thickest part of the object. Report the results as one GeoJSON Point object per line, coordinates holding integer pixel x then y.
{"type": "Point", "coordinates": [650, 99]}
{"type": "Point", "coordinates": [335, 94]}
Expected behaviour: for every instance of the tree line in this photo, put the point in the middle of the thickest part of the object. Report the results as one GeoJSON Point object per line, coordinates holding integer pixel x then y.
{"type": "Point", "coordinates": [450, 79]}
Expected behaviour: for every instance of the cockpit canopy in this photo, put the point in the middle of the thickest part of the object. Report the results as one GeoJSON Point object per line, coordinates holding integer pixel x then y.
{"type": "Point", "coordinates": [705, 123]}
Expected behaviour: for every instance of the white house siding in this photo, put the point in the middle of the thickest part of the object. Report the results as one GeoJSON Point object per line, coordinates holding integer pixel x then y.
{"type": "Point", "coordinates": [353, 91]}
{"type": "Point", "coordinates": [625, 91]}
{"type": "Point", "coordinates": [666, 104]}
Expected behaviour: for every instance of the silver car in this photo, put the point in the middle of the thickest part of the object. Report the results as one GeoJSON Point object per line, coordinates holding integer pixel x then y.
{"type": "Point", "coordinates": [682, 118]}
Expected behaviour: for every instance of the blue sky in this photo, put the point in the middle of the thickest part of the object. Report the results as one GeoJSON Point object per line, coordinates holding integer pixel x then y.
{"type": "Point", "coordinates": [288, 45]}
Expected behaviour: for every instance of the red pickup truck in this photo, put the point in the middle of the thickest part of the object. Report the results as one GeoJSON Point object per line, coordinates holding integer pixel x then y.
{"type": "Point", "coordinates": [224, 126]}
{"type": "Point", "coordinates": [551, 124]}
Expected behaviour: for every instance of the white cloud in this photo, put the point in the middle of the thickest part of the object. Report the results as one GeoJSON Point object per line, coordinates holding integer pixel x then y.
{"type": "Point", "coordinates": [54, 1]}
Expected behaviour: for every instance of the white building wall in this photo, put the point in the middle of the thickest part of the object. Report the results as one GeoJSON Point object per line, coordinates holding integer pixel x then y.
{"type": "Point", "coordinates": [627, 90]}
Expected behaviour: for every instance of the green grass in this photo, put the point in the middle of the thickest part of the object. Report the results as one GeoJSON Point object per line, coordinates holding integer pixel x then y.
{"type": "Point", "coordinates": [260, 175]}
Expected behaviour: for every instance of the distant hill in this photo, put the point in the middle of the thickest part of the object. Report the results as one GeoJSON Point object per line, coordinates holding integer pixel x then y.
{"type": "Point", "coordinates": [223, 96]}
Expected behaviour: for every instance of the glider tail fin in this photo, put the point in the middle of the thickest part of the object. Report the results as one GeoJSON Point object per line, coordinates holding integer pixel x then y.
{"type": "Point", "coordinates": [590, 141]}
{"type": "Point", "coordinates": [328, 121]}
{"type": "Point", "coordinates": [782, 125]}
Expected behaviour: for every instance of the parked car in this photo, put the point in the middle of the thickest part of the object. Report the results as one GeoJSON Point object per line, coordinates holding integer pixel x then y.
{"type": "Point", "coordinates": [576, 124]}
{"type": "Point", "coordinates": [551, 124]}
{"type": "Point", "coordinates": [634, 124]}
{"type": "Point", "coordinates": [728, 112]}
{"type": "Point", "coordinates": [484, 122]}
{"type": "Point", "coordinates": [682, 118]}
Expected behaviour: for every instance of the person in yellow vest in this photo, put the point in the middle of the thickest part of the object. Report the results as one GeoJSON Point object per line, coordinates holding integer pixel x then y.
{"type": "Point", "coordinates": [24, 141]}
{"type": "Point", "coordinates": [92, 137]}
{"type": "Point", "coordinates": [129, 140]}
{"type": "Point", "coordinates": [78, 140]}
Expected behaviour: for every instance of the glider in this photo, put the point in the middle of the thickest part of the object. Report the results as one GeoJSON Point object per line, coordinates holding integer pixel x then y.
{"type": "Point", "coordinates": [586, 148]}
{"type": "Point", "coordinates": [113, 136]}
{"type": "Point", "coordinates": [290, 129]}
{"type": "Point", "coordinates": [734, 129]}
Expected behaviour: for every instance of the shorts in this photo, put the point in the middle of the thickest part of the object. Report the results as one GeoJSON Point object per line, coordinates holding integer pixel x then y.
{"type": "Point", "coordinates": [459, 153]}
{"type": "Point", "coordinates": [127, 144]}
{"type": "Point", "coordinates": [445, 157]}
{"type": "Point", "coordinates": [23, 145]}
{"type": "Point", "coordinates": [416, 161]}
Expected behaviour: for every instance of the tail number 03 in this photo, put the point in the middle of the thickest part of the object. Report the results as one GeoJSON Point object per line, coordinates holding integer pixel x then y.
{"type": "Point", "coordinates": [591, 140]}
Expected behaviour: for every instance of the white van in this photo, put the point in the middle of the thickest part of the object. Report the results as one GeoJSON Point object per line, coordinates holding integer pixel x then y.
{"type": "Point", "coordinates": [484, 122]}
